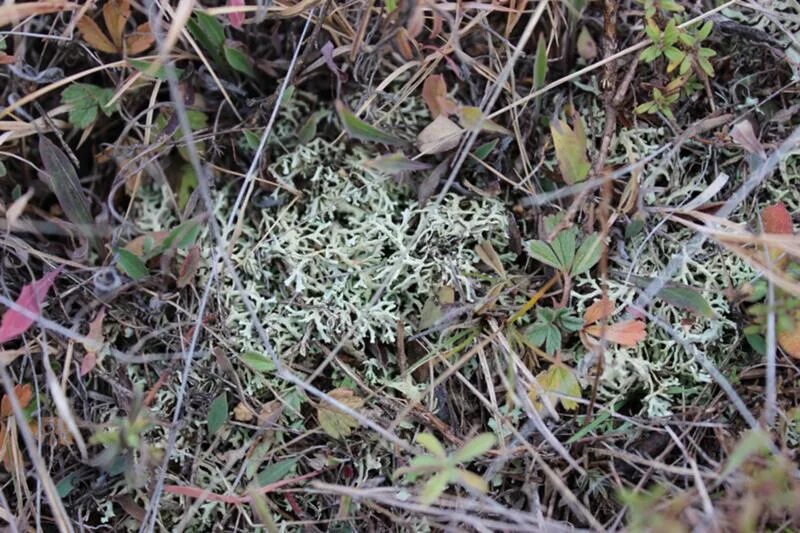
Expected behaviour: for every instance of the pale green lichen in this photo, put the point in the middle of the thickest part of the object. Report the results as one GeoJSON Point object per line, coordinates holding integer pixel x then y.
{"type": "Point", "coordinates": [313, 267]}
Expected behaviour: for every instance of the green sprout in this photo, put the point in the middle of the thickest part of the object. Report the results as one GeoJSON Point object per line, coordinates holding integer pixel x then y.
{"type": "Point", "coordinates": [445, 469]}
{"type": "Point", "coordinates": [651, 7]}
{"type": "Point", "coordinates": [663, 42]}
{"type": "Point", "coordinates": [549, 325]}
{"type": "Point", "coordinates": [660, 103]}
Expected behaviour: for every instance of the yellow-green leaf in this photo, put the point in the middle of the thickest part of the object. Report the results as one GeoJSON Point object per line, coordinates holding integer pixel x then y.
{"type": "Point", "coordinates": [334, 422]}
{"type": "Point", "coordinates": [556, 382]}
{"type": "Point", "coordinates": [471, 119]}
{"type": "Point", "coordinates": [570, 144]}
{"type": "Point", "coordinates": [358, 129]}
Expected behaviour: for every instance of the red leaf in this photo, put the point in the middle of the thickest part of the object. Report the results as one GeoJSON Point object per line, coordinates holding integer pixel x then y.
{"type": "Point", "coordinates": [14, 323]}
{"type": "Point", "coordinates": [237, 19]}
{"type": "Point", "coordinates": [776, 219]}
{"type": "Point", "coordinates": [626, 333]}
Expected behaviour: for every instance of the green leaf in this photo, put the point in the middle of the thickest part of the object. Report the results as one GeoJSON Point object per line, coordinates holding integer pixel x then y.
{"type": "Point", "coordinates": [358, 129]}
{"type": "Point", "coordinates": [757, 343]}
{"type": "Point", "coordinates": [687, 299]}
{"type": "Point", "coordinates": [395, 163]}
{"type": "Point", "coordinates": [3, 171]}
{"type": "Point", "coordinates": [431, 444]}
{"type": "Point", "coordinates": [476, 447]}
{"type": "Point", "coordinates": [276, 472]}
{"type": "Point", "coordinates": [251, 140]}
{"type": "Point", "coordinates": [434, 488]}
{"type": "Point", "coordinates": [209, 33]}
{"type": "Point", "coordinates": [647, 107]}
{"type": "Point", "coordinates": [556, 382]}
{"type": "Point", "coordinates": [670, 34]}
{"type": "Point", "coordinates": [425, 463]}
{"type": "Point", "coordinates": [588, 254]}
{"type": "Point", "coordinates": [391, 5]}
{"type": "Point", "coordinates": [153, 69]}
{"type": "Point", "coordinates": [239, 61]}
{"type": "Point", "coordinates": [542, 252]}
{"type": "Point", "coordinates": [188, 183]}
{"type": "Point", "coordinates": [570, 147]}
{"type": "Point", "coordinates": [540, 64]}
{"type": "Point", "coordinates": [705, 66]}
{"type": "Point", "coordinates": [336, 423]}
{"type": "Point", "coordinates": [85, 100]}
{"type": "Point", "coordinates": [258, 362]}
{"type": "Point", "coordinates": [473, 481]}
{"type": "Point", "coordinates": [754, 442]}
{"type": "Point", "coordinates": [705, 30]}
{"type": "Point", "coordinates": [650, 54]}
{"type": "Point", "coordinates": [537, 333]}
{"type": "Point", "coordinates": [63, 181]}
{"type": "Point", "coordinates": [482, 151]}
{"type": "Point", "coordinates": [217, 413]}
{"type": "Point", "coordinates": [308, 130]}
{"type": "Point", "coordinates": [634, 228]}
{"type": "Point", "coordinates": [65, 485]}
{"type": "Point", "coordinates": [131, 264]}
{"type": "Point", "coordinates": [553, 342]}
{"type": "Point", "coordinates": [564, 245]}
{"type": "Point", "coordinates": [652, 30]}
{"type": "Point", "coordinates": [180, 237]}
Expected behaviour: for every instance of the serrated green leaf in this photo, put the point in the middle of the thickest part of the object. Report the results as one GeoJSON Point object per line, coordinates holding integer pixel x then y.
{"type": "Point", "coordinates": [474, 448]}
{"type": "Point", "coordinates": [431, 444]}
{"type": "Point", "coordinates": [358, 129]}
{"type": "Point", "coordinates": [564, 245]}
{"type": "Point", "coordinates": [434, 487]}
{"type": "Point", "coordinates": [570, 144]}
{"type": "Point", "coordinates": [258, 362]}
{"type": "Point", "coordinates": [588, 254]}
{"type": "Point", "coordinates": [552, 343]}
{"type": "Point", "coordinates": [85, 100]}
{"type": "Point", "coordinates": [275, 472]}
{"type": "Point", "coordinates": [131, 265]}
{"type": "Point", "coordinates": [540, 64]}
{"type": "Point", "coordinates": [542, 252]}
{"type": "Point", "coordinates": [239, 61]}
{"type": "Point", "coordinates": [217, 413]}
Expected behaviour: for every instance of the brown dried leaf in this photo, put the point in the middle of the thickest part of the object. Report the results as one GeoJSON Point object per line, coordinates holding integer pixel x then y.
{"type": "Point", "coordinates": [189, 267]}
{"type": "Point", "coordinates": [140, 40]}
{"type": "Point", "coordinates": [600, 309]}
{"type": "Point", "coordinates": [334, 422]}
{"type": "Point", "coordinates": [94, 36]}
{"type": "Point", "coordinates": [115, 14]}
{"type": "Point", "coordinates": [434, 88]}
{"type": "Point", "coordinates": [743, 134]}
{"type": "Point", "coordinates": [242, 413]}
{"type": "Point", "coordinates": [626, 333]}
{"type": "Point", "coordinates": [439, 136]}
{"type": "Point", "coordinates": [24, 394]}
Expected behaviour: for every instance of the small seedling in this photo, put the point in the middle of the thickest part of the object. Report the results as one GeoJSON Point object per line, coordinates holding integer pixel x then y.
{"type": "Point", "coordinates": [445, 469]}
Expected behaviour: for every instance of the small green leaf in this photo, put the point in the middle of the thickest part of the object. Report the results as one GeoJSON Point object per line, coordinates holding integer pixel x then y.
{"type": "Point", "coordinates": [63, 181]}
{"type": "Point", "coordinates": [276, 471]}
{"type": "Point", "coordinates": [188, 183]}
{"type": "Point", "coordinates": [473, 481]}
{"type": "Point", "coordinates": [634, 228]}
{"type": "Point", "coordinates": [542, 252]}
{"type": "Point", "coordinates": [705, 30]}
{"type": "Point", "coordinates": [757, 343]}
{"type": "Point", "coordinates": [483, 151]}
{"type": "Point", "coordinates": [308, 130]}
{"type": "Point", "coordinates": [251, 140]}
{"type": "Point", "coordinates": [85, 100]}
{"type": "Point", "coordinates": [258, 362]}
{"type": "Point", "coordinates": [476, 447]}
{"type": "Point", "coordinates": [650, 54]}
{"type": "Point", "coordinates": [180, 237]}
{"type": "Point", "coordinates": [652, 30]}
{"type": "Point", "coordinates": [564, 245]}
{"type": "Point", "coordinates": [540, 64]}
{"type": "Point", "coordinates": [239, 61]}
{"type": "Point", "coordinates": [425, 462]}
{"type": "Point", "coordinates": [588, 254]}
{"type": "Point", "coordinates": [153, 69]}
{"type": "Point", "coordinates": [217, 413]}
{"type": "Point", "coordinates": [3, 171]}
{"type": "Point", "coordinates": [434, 488]}
{"type": "Point", "coordinates": [358, 129]}
{"type": "Point", "coordinates": [65, 486]}
{"type": "Point", "coordinates": [431, 443]}
{"type": "Point", "coordinates": [391, 5]}
{"type": "Point", "coordinates": [209, 33]}
{"type": "Point", "coordinates": [705, 66]}
{"type": "Point", "coordinates": [131, 265]}
{"type": "Point", "coordinates": [687, 299]}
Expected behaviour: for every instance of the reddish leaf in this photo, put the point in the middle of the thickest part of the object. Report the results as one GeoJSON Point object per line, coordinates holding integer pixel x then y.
{"type": "Point", "coordinates": [776, 219]}
{"type": "Point", "coordinates": [24, 394]}
{"type": "Point", "coordinates": [189, 267]}
{"type": "Point", "coordinates": [88, 363]}
{"type": "Point", "coordinates": [140, 40]}
{"type": "Point", "coordinates": [115, 14]}
{"type": "Point", "coordinates": [599, 310]}
{"type": "Point", "coordinates": [626, 333]}
{"type": "Point", "coordinates": [14, 323]}
{"type": "Point", "coordinates": [237, 19]}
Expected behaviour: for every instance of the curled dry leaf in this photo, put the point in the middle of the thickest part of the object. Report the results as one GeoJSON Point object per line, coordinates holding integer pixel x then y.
{"type": "Point", "coordinates": [24, 394]}
{"type": "Point", "coordinates": [434, 92]}
{"type": "Point", "coordinates": [743, 134]}
{"type": "Point", "coordinates": [17, 207]}
{"type": "Point", "coordinates": [776, 219]}
{"type": "Point", "coordinates": [334, 422]}
{"type": "Point", "coordinates": [242, 413]}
